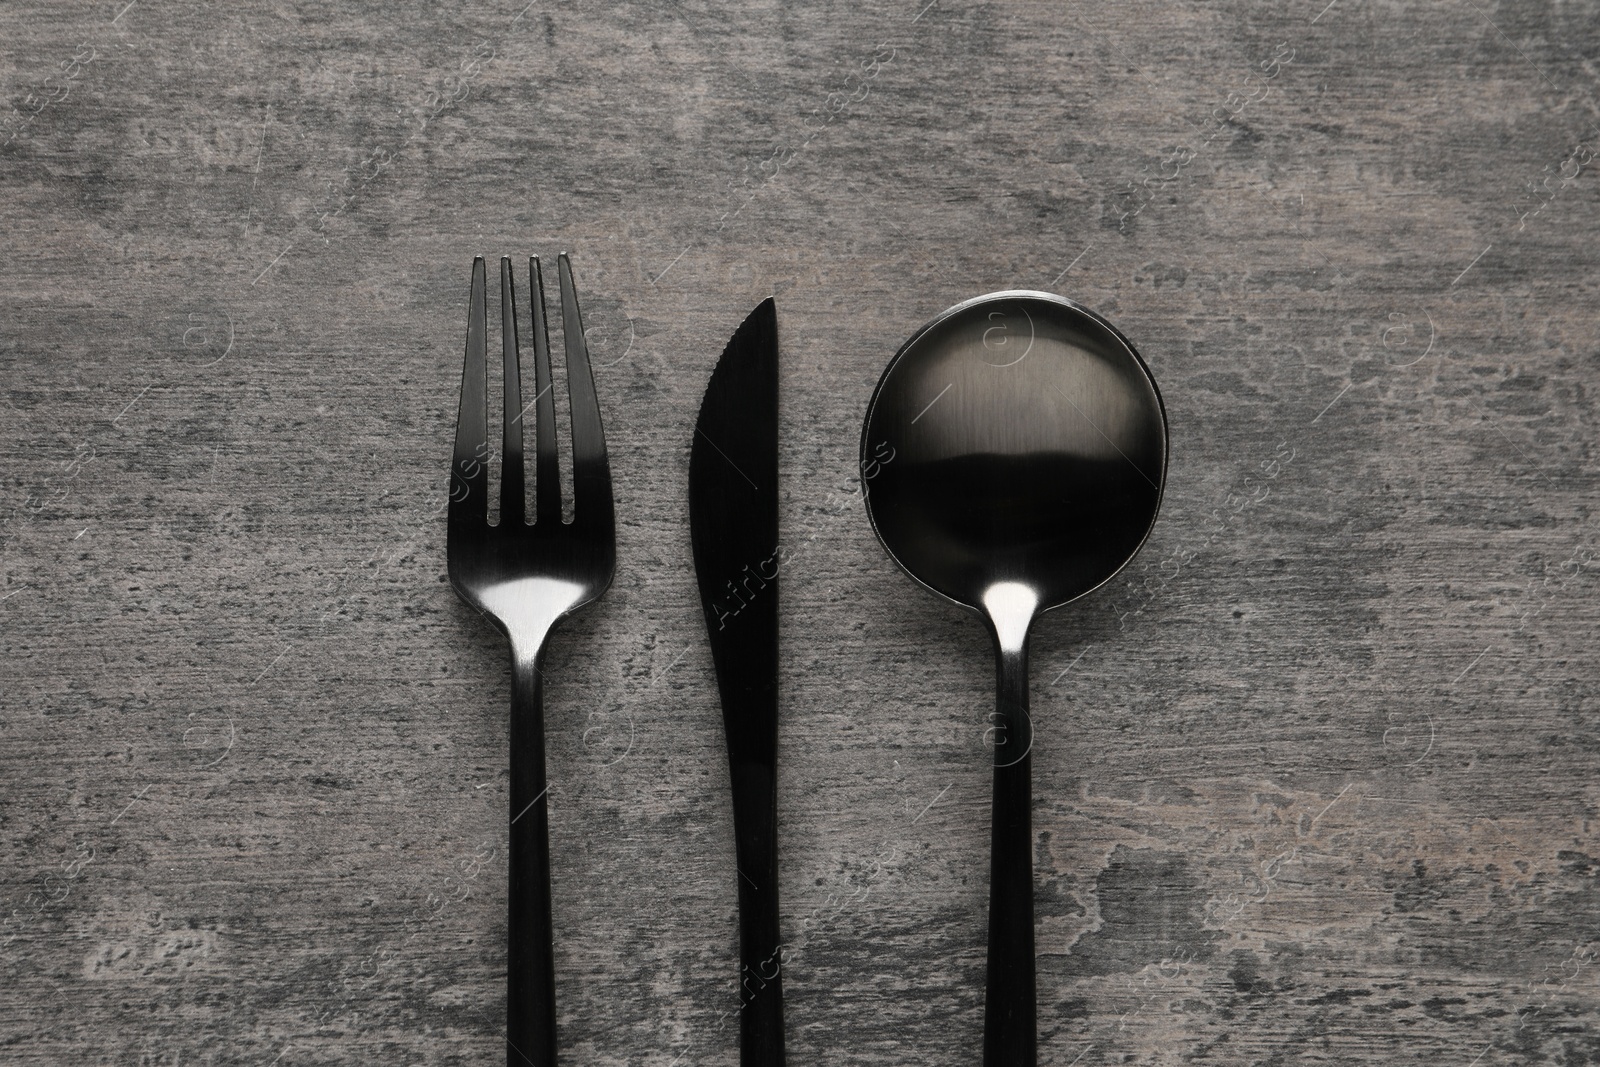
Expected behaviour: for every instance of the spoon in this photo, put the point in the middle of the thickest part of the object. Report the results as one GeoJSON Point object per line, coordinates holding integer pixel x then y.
{"type": "Point", "coordinates": [1013, 459]}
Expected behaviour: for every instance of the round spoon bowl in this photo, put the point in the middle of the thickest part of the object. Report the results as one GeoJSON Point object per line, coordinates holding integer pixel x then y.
{"type": "Point", "coordinates": [1018, 437]}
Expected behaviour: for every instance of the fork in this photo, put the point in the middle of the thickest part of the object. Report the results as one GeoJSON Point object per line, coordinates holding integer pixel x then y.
{"type": "Point", "coordinates": [526, 577]}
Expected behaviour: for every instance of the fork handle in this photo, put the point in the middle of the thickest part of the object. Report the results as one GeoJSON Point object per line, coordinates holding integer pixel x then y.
{"type": "Point", "coordinates": [530, 947]}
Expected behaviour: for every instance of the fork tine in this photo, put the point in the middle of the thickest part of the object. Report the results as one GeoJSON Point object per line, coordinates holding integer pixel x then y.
{"type": "Point", "coordinates": [547, 472]}
{"type": "Point", "coordinates": [591, 471]}
{"type": "Point", "coordinates": [511, 474]}
{"type": "Point", "coordinates": [469, 471]}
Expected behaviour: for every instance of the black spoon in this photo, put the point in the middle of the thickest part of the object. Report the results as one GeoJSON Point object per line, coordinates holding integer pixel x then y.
{"type": "Point", "coordinates": [1014, 455]}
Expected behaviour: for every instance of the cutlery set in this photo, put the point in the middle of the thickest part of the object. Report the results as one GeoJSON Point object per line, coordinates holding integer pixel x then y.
{"type": "Point", "coordinates": [1018, 450]}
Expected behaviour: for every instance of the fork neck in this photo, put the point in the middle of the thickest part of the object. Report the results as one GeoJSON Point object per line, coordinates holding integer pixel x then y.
{"type": "Point", "coordinates": [528, 608]}
{"type": "Point", "coordinates": [527, 652]}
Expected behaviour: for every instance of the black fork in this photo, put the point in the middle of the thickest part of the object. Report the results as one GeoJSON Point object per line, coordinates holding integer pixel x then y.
{"type": "Point", "coordinates": [526, 577]}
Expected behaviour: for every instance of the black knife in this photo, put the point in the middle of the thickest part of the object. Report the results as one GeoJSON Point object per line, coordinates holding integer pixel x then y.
{"type": "Point", "coordinates": [733, 526]}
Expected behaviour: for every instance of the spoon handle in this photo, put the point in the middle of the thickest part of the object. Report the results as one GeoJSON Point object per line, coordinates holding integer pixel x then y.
{"type": "Point", "coordinates": [1009, 1034]}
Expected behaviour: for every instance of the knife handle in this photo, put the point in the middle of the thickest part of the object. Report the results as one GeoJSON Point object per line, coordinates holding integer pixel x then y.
{"type": "Point", "coordinates": [1010, 1007]}
{"type": "Point", "coordinates": [530, 949]}
{"type": "Point", "coordinates": [755, 827]}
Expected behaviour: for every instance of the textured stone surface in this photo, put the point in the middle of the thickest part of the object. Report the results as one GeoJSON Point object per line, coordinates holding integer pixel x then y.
{"type": "Point", "coordinates": [1315, 778]}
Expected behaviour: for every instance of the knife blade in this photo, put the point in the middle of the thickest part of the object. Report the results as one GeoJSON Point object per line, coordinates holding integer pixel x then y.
{"type": "Point", "coordinates": [733, 528]}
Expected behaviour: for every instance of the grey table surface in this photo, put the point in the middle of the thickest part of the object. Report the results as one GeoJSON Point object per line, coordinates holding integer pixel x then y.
{"type": "Point", "coordinates": [1315, 776]}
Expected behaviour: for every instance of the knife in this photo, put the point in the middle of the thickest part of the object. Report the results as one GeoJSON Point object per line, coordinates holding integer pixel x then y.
{"type": "Point", "coordinates": [733, 527]}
